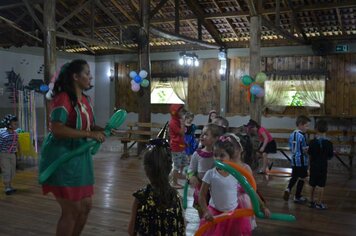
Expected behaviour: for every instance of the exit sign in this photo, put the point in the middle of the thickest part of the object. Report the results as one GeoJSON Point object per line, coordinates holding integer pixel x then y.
{"type": "Point", "coordinates": [342, 48]}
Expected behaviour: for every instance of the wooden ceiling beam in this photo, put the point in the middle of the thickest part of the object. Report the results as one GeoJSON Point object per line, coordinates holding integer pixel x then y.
{"type": "Point", "coordinates": [92, 19]}
{"type": "Point", "coordinates": [15, 26]}
{"type": "Point", "coordinates": [277, 19]}
{"type": "Point", "coordinates": [157, 8]}
{"type": "Point", "coordinates": [228, 21]}
{"type": "Point", "coordinates": [251, 7]}
{"type": "Point", "coordinates": [122, 10]}
{"type": "Point", "coordinates": [134, 8]}
{"type": "Point", "coordinates": [17, 5]}
{"type": "Point", "coordinates": [79, 8]}
{"type": "Point", "coordinates": [33, 14]}
{"type": "Point", "coordinates": [108, 13]}
{"type": "Point", "coordinates": [176, 16]}
{"type": "Point", "coordinates": [113, 34]}
{"type": "Point", "coordinates": [20, 18]}
{"type": "Point", "coordinates": [318, 25]}
{"type": "Point", "coordinates": [91, 41]}
{"type": "Point", "coordinates": [67, 31]}
{"type": "Point", "coordinates": [296, 21]}
{"type": "Point", "coordinates": [343, 31]}
{"type": "Point", "coordinates": [239, 14]}
{"type": "Point", "coordinates": [210, 27]}
{"type": "Point", "coordinates": [64, 4]}
{"type": "Point", "coordinates": [278, 30]}
{"type": "Point", "coordinates": [171, 36]}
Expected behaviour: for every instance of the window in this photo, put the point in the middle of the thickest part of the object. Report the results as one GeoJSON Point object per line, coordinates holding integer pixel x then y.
{"type": "Point", "coordinates": [163, 93]}
{"type": "Point", "coordinates": [305, 91]}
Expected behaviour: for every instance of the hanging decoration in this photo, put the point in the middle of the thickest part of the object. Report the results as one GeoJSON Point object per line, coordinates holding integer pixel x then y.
{"type": "Point", "coordinates": [253, 86]}
{"type": "Point", "coordinates": [139, 80]}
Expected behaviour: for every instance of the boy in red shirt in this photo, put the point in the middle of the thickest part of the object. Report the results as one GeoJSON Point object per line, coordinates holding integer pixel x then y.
{"type": "Point", "coordinates": [176, 142]}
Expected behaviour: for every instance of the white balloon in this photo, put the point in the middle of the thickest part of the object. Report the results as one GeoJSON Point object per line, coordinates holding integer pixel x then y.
{"type": "Point", "coordinates": [49, 95]}
{"type": "Point", "coordinates": [143, 74]}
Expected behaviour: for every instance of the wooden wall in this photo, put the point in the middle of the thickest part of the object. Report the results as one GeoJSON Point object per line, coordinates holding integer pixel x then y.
{"type": "Point", "coordinates": [204, 87]}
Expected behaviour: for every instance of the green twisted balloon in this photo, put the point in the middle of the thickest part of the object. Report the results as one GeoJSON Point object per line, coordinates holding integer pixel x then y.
{"type": "Point", "coordinates": [115, 122]}
{"type": "Point", "coordinates": [252, 194]}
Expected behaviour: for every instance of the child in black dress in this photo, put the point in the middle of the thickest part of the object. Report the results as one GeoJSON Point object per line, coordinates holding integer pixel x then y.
{"type": "Point", "coordinates": [157, 209]}
{"type": "Point", "coordinates": [320, 151]}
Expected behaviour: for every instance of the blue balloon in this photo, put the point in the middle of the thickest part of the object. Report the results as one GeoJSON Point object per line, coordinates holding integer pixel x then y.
{"type": "Point", "coordinates": [255, 89]}
{"type": "Point", "coordinates": [44, 88]}
{"type": "Point", "coordinates": [138, 79]}
{"type": "Point", "coordinates": [132, 74]}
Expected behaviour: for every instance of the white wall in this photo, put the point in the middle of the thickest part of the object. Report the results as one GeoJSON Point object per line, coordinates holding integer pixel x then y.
{"type": "Point", "coordinates": [102, 108]}
{"type": "Point", "coordinates": [27, 62]}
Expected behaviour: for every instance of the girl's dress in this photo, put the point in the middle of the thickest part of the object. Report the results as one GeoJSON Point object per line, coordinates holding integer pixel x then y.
{"type": "Point", "coordinates": [153, 220]}
{"type": "Point", "coordinates": [191, 143]}
{"type": "Point", "coordinates": [224, 194]}
{"type": "Point", "coordinates": [73, 179]}
{"type": "Point", "coordinates": [200, 163]}
{"type": "Point", "coordinates": [245, 201]}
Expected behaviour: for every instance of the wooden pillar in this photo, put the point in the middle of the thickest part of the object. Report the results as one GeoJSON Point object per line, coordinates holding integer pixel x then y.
{"type": "Point", "coordinates": [50, 60]}
{"type": "Point", "coordinates": [255, 63]}
{"type": "Point", "coordinates": [144, 111]}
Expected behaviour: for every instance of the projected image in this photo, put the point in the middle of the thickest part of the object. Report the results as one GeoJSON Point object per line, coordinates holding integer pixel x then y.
{"type": "Point", "coordinates": [307, 93]}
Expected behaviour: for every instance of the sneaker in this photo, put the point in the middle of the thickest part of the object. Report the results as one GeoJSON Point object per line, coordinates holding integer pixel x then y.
{"type": "Point", "coordinates": [300, 200]}
{"type": "Point", "coordinates": [286, 194]}
{"type": "Point", "coordinates": [312, 205]}
{"type": "Point", "coordinates": [8, 191]}
{"type": "Point", "coordinates": [261, 172]}
{"type": "Point", "coordinates": [13, 190]}
{"type": "Point", "coordinates": [321, 206]}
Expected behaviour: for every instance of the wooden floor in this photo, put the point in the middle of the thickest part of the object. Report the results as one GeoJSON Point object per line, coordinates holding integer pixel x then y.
{"type": "Point", "coordinates": [29, 213]}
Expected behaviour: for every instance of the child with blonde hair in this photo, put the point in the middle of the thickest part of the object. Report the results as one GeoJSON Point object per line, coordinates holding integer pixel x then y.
{"type": "Point", "coordinates": [203, 160]}
{"type": "Point", "coordinates": [223, 189]}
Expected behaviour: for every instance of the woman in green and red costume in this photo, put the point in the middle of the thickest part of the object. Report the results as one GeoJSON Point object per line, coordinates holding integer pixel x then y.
{"type": "Point", "coordinates": [72, 122]}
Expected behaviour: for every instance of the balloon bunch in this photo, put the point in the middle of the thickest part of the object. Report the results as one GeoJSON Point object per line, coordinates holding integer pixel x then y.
{"type": "Point", "coordinates": [254, 86]}
{"type": "Point", "coordinates": [138, 80]}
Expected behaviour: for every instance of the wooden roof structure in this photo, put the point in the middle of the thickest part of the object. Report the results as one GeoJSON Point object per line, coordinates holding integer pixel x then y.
{"type": "Point", "coordinates": [111, 26]}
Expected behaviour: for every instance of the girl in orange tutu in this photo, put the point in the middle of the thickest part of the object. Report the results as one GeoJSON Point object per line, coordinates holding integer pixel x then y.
{"type": "Point", "coordinates": [223, 189]}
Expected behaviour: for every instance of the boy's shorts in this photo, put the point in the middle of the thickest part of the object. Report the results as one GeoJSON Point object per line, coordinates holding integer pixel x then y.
{"type": "Point", "coordinates": [180, 160]}
{"type": "Point", "coordinates": [299, 171]}
{"type": "Point", "coordinates": [317, 179]}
